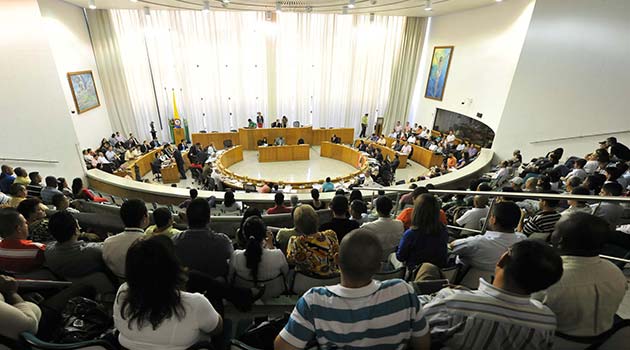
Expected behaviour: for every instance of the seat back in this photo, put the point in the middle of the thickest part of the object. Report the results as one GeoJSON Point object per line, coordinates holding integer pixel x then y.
{"type": "Point", "coordinates": [471, 277]}
{"type": "Point", "coordinates": [35, 343]}
{"type": "Point", "coordinates": [545, 237]}
{"type": "Point", "coordinates": [227, 143]}
{"type": "Point", "coordinates": [273, 287]}
{"type": "Point", "coordinates": [388, 275]}
{"type": "Point", "coordinates": [302, 282]}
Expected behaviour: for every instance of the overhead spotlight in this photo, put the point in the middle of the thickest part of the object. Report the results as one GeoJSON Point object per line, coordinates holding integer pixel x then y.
{"type": "Point", "coordinates": [133, 0]}
{"type": "Point", "coordinates": [309, 9]}
{"type": "Point", "coordinates": [92, 4]}
{"type": "Point", "coordinates": [344, 10]}
{"type": "Point", "coordinates": [147, 11]}
{"type": "Point", "coordinates": [351, 4]}
{"type": "Point", "coordinates": [278, 6]}
{"type": "Point", "coordinates": [206, 6]}
{"type": "Point", "coordinates": [371, 17]}
{"type": "Point", "coordinates": [428, 6]}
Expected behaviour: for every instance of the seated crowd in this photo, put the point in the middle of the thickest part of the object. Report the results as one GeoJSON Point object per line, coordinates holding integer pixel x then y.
{"type": "Point", "coordinates": [167, 288]}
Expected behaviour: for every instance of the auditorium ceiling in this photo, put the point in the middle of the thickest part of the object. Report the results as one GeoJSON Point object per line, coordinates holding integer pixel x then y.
{"type": "Point", "coordinates": [415, 8]}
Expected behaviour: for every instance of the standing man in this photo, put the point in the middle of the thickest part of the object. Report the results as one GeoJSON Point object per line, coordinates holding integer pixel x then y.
{"type": "Point", "coordinates": [260, 120]}
{"type": "Point", "coordinates": [153, 132]}
{"type": "Point", "coordinates": [179, 160]}
{"type": "Point", "coordinates": [364, 122]}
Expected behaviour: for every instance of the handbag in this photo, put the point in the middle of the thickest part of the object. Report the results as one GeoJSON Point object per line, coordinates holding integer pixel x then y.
{"type": "Point", "coordinates": [262, 335]}
{"type": "Point", "coordinates": [83, 319]}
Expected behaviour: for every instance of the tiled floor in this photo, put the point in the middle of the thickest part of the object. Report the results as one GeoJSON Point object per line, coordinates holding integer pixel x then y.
{"type": "Point", "coordinates": [304, 170]}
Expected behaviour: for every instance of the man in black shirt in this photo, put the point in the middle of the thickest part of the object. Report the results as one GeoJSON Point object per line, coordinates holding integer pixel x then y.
{"type": "Point", "coordinates": [617, 149]}
{"type": "Point", "coordinates": [340, 222]}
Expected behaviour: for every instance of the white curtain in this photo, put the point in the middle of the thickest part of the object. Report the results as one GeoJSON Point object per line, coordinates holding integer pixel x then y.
{"type": "Point", "coordinates": [323, 70]}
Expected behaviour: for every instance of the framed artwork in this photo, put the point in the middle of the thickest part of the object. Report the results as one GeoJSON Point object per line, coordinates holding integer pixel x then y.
{"type": "Point", "coordinates": [83, 90]}
{"type": "Point", "coordinates": [438, 72]}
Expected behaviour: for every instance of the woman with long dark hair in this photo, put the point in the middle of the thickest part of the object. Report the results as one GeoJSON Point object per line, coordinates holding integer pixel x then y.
{"type": "Point", "coordinates": [151, 310]}
{"type": "Point", "coordinates": [80, 192]}
{"type": "Point", "coordinates": [426, 239]}
{"type": "Point", "coordinates": [260, 260]}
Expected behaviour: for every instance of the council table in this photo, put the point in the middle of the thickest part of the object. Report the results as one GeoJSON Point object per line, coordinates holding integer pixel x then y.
{"type": "Point", "coordinates": [283, 153]}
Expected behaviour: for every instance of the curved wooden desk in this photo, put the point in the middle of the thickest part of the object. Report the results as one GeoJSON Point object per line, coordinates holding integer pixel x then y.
{"type": "Point", "coordinates": [248, 138]}
{"type": "Point", "coordinates": [170, 173]}
{"type": "Point", "coordinates": [284, 153]}
{"type": "Point", "coordinates": [340, 152]}
{"type": "Point", "coordinates": [387, 152]}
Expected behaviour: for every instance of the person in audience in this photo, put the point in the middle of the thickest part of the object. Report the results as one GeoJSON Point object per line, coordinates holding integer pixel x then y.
{"type": "Point", "coordinates": [335, 139]}
{"type": "Point", "coordinates": [426, 239]}
{"type": "Point", "coordinates": [578, 170]}
{"type": "Point", "coordinates": [352, 313]}
{"type": "Point", "coordinates": [199, 248]}
{"type": "Point", "coordinates": [17, 254]}
{"type": "Point", "coordinates": [16, 315]}
{"type": "Point", "coordinates": [406, 214]}
{"type": "Point", "coordinates": [612, 212]}
{"type": "Point", "coordinates": [516, 184]}
{"type": "Point", "coordinates": [295, 201]}
{"type": "Point", "coordinates": [229, 206]}
{"type": "Point", "coordinates": [471, 219]}
{"type": "Point", "coordinates": [130, 155]}
{"type": "Point", "coordinates": [483, 251]}
{"type": "Point", "coordinates": [316, 203]}
{"type": "Point", "coordinates": [577, 205]}
{"type": "Point", "coordinates": [69, 257]}
{"type": "Point", "coordinates": [362, 147]}
{"type": "Point", "coordinates": [328, 186]}
{"type": "Point", "coordinates": [6, 178]}
{"type": "Point", "coordinates": [387, 230]}
{"type": "Point", "coordinates": [182, 145]}
{"type": "Point", "coordinates": [34, 212]}
{"type": "Point", "coordinates": [501, 315]}
{"type": "Point", "coordinates": [18, 193]}
{"type": "Point", "coordinates": [545, 220]}
{"type": "Point", "coordinates": [260, 260]}
{"type": "Point", "coordinates": [617, 149]}
{"type": "Point", "coordinates": [594, 183]}
{"type": "Point", "coordinates": [241, 239]}
{"type": "Point", "coordinates": [193, 194]}
{"type": "Point", "coordinates": [312, 251]}
{"type": "Point", "coordinates": [358, 212]}
{"type": "Point", "coordinates": [62, 186]}
{"type": "Point", "coordinates": [152, 310]}
{"type": "Point", "coordinates": [163, 224]}
{"type": "Point", "coordinates": [572, 183]}
{"type": "Point", "coordinates": [4, 200]}
{"type": "Point", "coordinates": [340, 223]}
{"type": "Point", "coordinates": [50, 190]}
{"type": "Point", "coordinates": [279, 208]}
{"type": "Point", "coordinates": [34, 188]}
{"type": "Point", "coordinates": [61, 203]}
{"type": "Point", "coordinates": [265, 188]}
{"type": "Point", "coordinates": [21, 176]}
{"type": "Point", "coordinates": [135, 217]}
{"type": "Point", "coordinates": [591, 289]}
{"type": "Point", "coordinates": [80, 192]}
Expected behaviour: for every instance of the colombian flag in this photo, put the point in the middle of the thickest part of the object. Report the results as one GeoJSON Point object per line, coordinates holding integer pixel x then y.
{"type": "Point", "coordinates": [178, 126]}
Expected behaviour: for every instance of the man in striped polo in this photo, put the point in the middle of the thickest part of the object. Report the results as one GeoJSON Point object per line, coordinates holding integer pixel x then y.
{"type": "Point", "coordinates": [359, 312]}
{"type": "Point", "coordinates": [501, 315]}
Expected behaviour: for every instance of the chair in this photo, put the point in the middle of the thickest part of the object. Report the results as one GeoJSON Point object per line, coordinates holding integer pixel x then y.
{"type": "Point", "coordinates": [614, 338]}
{"type": "Point", "coordinates": [540, 236]}
{"type": "Point", "coordinates": [33, 343]}
{"type": "Point", "coordinates": [303, 282]}
{"type": "Point", "coordinates": [296, 124]}
{"type": "Point", "coordinates": [388, 275]}
{"type": "Point", "coordinates": [274, 287]}
{"type": "Point", "coordinates": [227, 144]}
{"type": "Point", "coordinates": [469, 277]}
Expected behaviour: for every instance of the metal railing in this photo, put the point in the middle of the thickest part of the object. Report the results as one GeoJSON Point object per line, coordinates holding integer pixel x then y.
{"type": "Point", "coordinates": [30, 160]}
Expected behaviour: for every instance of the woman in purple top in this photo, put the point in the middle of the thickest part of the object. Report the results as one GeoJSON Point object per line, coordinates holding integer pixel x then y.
{"type": "Point", "coordinates": [426, 239]}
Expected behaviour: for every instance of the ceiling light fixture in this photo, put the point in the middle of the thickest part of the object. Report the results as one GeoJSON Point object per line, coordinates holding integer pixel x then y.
{"type": "Point", "coordinates": [133, 0]}
{"type": "Point", "coordinates": [428, 6]}
{"type": "Point", "coordinates": [278, 6]}
{"type": "Point", "coordinates": [225, 1]}
{"type": "Point", "coordinates": [344, 10]}
{"type": "Point", "coordinates": [147, 11]}
{"type": "Point", "coordinates": [92, 4]}
{"type": "Point", "coordinates": [351, 4]}
{"type": "Point", "coordinates": [206, 6]}
{"type": "Point", "coordinates": [371, 17]}
{"type": "Point", "coordinates": [309, 9]}
{"type": "Point", "coordinates": [498, 0]}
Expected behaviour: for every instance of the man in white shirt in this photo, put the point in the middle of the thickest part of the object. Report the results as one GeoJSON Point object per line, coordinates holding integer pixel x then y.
{"type": "Point", "coordinates": [412, 139]}
{"type": "Point", "coordinates": [578, 170]}
{"type": "Point", "coordinates": [591, 289]}
{"type": "Point", "coordinates": [398, 128]}
{"type": "Point", "coordinates": [483, 251]}
{"type": "Point", "coordinates": [406, 149]}
{"type": "Point", "coordinates": [388, 231]}
{"type": "Point", "coordinates": [111, 155]}
{"type": "Point", "coordinates": [450, 138]}
{"type": "Point", "coordinates": [612, 212]}
{"type": "Point", "coordinates": [135, 217]}
{"type": "Point", "coordinates": [471, 218]}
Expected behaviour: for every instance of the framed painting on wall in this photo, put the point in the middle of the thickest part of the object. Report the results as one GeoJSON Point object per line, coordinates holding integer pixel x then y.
{"type": "Point", "coordinates": [438, 72]}
{"type": "Point", "coordinates": [83, 90]}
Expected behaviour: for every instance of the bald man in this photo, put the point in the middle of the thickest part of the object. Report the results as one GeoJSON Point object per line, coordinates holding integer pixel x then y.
{"type": "Point", "coordinates": [350, 313]}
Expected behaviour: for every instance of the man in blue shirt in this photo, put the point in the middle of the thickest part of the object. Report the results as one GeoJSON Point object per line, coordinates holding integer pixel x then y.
{"type": "Point", "coordinates": [6, 178]}
{"type": "Point", "coordinates": [328, 186]}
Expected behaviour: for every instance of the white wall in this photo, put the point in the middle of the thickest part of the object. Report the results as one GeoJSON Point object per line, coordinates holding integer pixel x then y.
{"type": "Point", "coordinates": [35, 121]}
{"type": "Point", "coordinates": [72, 49]}
{"type": "Point", "coordinates": [488, 43]}
{"type": "Point", "coordinates": [573, 79]}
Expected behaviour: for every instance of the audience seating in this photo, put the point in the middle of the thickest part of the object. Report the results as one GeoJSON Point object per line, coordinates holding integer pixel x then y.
{"type": "Point", "coordinates": [388, 275]}
{"type": "Point", "coordinates": [303, 282]}
{"type": "Point", "coordinates": [31, 342]}
{"type": "Point", "coordinates": [274, 287]}
{"type": "Point", "coordinates": [469, 277]}
{"type": "Point", "coordinates": [613, 339]}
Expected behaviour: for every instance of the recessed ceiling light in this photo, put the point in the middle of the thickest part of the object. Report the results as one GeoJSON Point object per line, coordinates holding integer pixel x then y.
{"type": "Point", "coordinates": [92, 4]}
{"type": "Point", "coordinates": [278, 6]}
{"type": "Point", "coordinates": [351, 4]}
{"type": "Point", "coordinates": [147, 11]}
{"type": "Point", "coordinates": [428, 6]}
{"type": "Point", "coordinates": [344, 10]}
{"type": "Point", "coordinates": [206, 6]}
